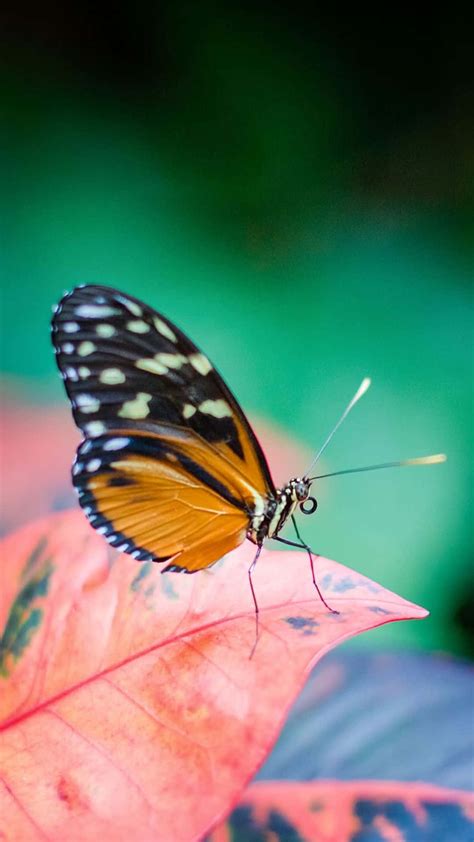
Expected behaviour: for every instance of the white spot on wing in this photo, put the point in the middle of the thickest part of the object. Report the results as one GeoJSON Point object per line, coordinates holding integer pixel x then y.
{"type": "Point", "coordinates": [86, 348]}
{"type": "Point", "coordinates": [87, 403]}
{"type": "Point", "coordinates": [112, 376]}
{"type": "Point", "coordinates": [70, 327]}
{"type": "Point", "coordinates": [136, 408]}
{"type": "Point", "coordinates": [95, 428]}
{"type": "Point", "coordinates": [188, 410]}
{"type": "Point", "coordinates": [105, 330]}
{"type": "Point", "coordinates": [138, 326]}
{"type": "Point", "coordinates": [218, 408]}
{"type": "Point", "coordinates": [163, 328]}
{"type": "Point", "coordinates": [68, 348]}
{"type": "Point", "coordinates": [152, 365]}
{"type": "Point", "coordinates": [200, 363]}
{"type": "Point", "coordinates": [84, 372]}
{"type": "Point", "coordinates": [72, 374]}
{"type": "Point", "coordinates": [116, 444]}
{"type": "Point", "coordinates": [93, 465]}
{"type": "Point", "coordinates": [94, 311]}
{"type": "Point", "coordinates": [133, 308]}
{"type": "Point", "coordinates": [171, 360]}
{"type": "Point", "coordinates": [161, 363]}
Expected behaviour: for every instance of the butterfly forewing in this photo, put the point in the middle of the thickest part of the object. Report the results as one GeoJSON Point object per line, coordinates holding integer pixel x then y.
{"type": "Point", "coordinates": [167, 449]}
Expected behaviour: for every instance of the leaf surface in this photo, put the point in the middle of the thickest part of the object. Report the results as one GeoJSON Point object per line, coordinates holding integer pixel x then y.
{"type": "Point", "coordinates": [129, 706]}
{"type": "Point", "coordinates": [360, 811]}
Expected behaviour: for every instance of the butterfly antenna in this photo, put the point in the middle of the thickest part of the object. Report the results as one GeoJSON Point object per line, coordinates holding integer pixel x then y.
{"type": "Point", "coordinates": [360, 392]}
{"type": "Point", "coordinates": [419, 460]}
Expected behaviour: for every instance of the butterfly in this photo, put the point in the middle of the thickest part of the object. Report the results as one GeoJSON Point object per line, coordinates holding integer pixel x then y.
{"type": "Point", "coordinates": [169, 470]}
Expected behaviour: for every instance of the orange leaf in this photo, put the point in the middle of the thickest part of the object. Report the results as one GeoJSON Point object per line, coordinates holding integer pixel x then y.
{"type": "Point", "coordinates": [129, 706]}
{"type": "Point", "coordinates": [333, 811]}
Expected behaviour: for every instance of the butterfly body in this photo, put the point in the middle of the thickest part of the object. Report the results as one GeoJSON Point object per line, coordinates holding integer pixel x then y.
{"type": "Point", "coordinates": [277, 510]}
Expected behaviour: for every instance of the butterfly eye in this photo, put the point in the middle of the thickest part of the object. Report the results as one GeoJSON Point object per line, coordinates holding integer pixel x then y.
{"type": "Point", "coordinates": [301, 489]}
{"type": "Point", "coordinates": [309, 506]}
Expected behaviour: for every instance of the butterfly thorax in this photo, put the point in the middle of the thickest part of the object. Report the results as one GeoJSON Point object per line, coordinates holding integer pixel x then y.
{"type": "Point", "coordinates": [270, 517]}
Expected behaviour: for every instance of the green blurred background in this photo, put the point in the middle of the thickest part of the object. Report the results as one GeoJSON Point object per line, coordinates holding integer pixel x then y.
{"type": "Point", "coordinates": [294, 190]}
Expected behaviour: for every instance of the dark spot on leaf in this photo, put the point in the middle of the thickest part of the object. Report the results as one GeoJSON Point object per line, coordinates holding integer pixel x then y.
{"type": "Point", "coordinates": [344, 585]}
{"type": "Point", "coordinates": [279, 827]}
{"type": "Point", "coordinates": [305, 624]}
{"type": "Point", "coordinates": [316, 806]}
{"type": "Point", "coordinates": [348, 584]}
{"type": "Point", "coordinates": [144, 571]}
{"type": "Point", "coordinates": [365, 811]}
{"type": "Point", "coordinates": [34, 557]}
{"type": "Point", "coordinates": [24, 619]}
{"type": "Point", "coordinates": [449, 821]}
{"type": "Point", "coordinates": [377, 609]}
{"type": "Point", "coordinates": [442, 821]}
{"type": "Point", "coordinates": [168, 588]}
{"type": "Point", "coordinates": [244, 826]}
{"type": "Point", "coordinates": [70, 794]}
{"type": "Point", "coordinates": [25, 631]}
{"type": "Point", "coordinates": [326, 581]}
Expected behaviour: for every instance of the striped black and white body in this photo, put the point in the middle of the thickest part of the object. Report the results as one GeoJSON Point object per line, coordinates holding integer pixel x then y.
{"type": "Point", "coordinates": [271, 515]}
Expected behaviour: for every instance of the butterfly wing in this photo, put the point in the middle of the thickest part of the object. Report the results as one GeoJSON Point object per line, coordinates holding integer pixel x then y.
{"type": "Point", "coordinates": [170, 468]}
{"type": "Point", "coordinates": [151, 497]}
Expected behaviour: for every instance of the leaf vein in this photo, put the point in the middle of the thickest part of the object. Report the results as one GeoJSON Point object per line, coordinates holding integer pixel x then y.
{"type": "Point", "coordinates": [23, 810]}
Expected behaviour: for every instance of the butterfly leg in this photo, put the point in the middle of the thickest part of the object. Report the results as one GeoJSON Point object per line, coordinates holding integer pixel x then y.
{"type": "Point", "coordinates": [251, 569]}
{"type": "Point", "coordinates": [308, 549]}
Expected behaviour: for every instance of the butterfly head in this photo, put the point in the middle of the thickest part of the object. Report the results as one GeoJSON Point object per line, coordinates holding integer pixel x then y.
{"type": "Point", "coordinates": [299, 489]}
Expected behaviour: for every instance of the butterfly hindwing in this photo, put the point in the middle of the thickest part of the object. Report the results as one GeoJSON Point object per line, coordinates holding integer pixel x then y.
{"type": "Point", "coordinates": [154, 500]}
{"type": "Point", "coordinates": [170, 469]}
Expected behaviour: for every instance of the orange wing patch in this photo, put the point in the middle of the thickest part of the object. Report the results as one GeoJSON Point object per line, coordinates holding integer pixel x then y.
{"type": "Point", "coordinates": [169, 508]}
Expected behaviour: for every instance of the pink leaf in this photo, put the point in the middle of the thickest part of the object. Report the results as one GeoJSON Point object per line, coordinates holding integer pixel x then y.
{"type": "Point", "coordinates": [129, 706]}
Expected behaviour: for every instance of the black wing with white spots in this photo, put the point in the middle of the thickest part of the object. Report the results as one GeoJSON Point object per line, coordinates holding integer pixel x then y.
{"type": "Point", "coordinates": [125, 364]}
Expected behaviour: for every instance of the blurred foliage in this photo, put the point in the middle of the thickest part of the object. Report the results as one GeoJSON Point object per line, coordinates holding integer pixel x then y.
{"type": "Point", "coordinates": [294, 191]}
